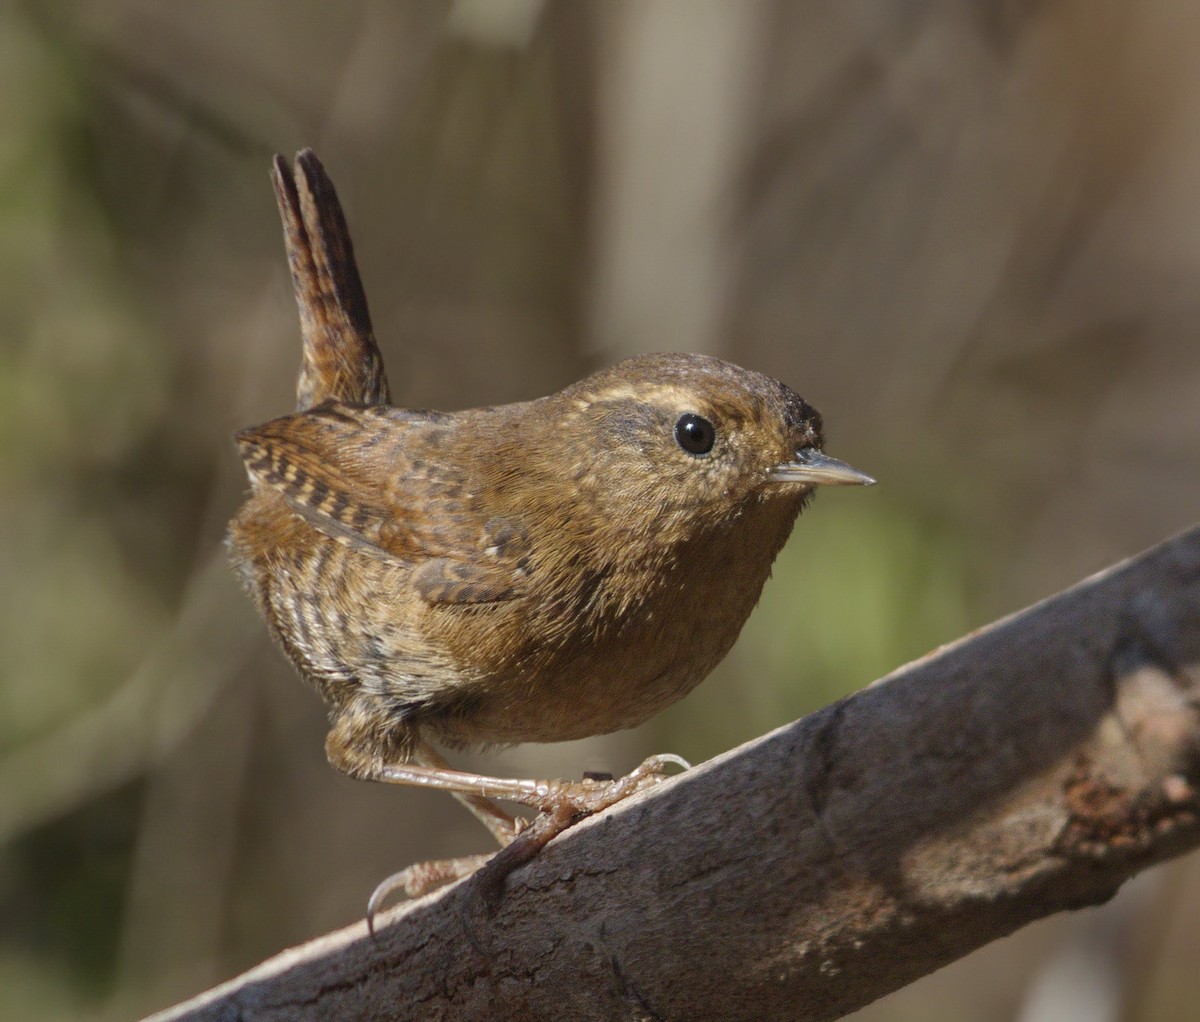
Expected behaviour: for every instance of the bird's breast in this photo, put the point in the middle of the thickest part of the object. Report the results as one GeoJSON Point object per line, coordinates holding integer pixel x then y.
{"type": "Point", "coordinates": [605, 643]}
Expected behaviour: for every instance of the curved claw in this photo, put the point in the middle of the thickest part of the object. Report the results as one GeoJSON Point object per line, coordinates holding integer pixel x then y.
{"type": "Point", "coordinates": [653, 770]}
{"type": "Point", "coordinates": [417, 880]}
{"type": "Point", "coordinates": [669, 758]}
{"type": "Point", "coordinates": [380, 895]}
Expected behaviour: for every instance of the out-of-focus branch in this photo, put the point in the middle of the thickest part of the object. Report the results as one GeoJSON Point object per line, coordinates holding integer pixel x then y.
{"type": "Point", "coordinates": [1031, 767]}
{"type": "Point", "coordinates": [143, 719]}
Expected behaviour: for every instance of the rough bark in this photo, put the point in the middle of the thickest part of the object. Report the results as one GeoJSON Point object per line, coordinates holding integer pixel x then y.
{"type": "Point", "coordinates": [1029, 768]}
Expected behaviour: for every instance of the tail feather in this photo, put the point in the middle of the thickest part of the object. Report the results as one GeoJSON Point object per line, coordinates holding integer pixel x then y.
{"type": "Point", "coordinates": [341, 360]}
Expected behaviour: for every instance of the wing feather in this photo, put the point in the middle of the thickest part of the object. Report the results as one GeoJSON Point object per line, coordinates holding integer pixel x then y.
{"type": "Point", "coordinates": [372, 478]}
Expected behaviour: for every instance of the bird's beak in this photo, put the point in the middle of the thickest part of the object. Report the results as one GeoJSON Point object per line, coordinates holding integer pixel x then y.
{"type": "Point", "coordinates": [817, 469]}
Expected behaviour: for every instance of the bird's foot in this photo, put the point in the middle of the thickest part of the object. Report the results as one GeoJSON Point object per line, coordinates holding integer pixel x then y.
{"type": "Point", "coordinates": [561, 804]}
{"type": "Point", "coordinates": [566, 804]}
{"type": "Point", "coordinates": [594, 794]}
{"type": "Point", "coordinates": [418, 880]}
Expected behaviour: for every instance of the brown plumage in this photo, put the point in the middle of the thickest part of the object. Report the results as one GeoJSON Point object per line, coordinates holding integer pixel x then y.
{"type": "Point", "coordinates": [539, 571]}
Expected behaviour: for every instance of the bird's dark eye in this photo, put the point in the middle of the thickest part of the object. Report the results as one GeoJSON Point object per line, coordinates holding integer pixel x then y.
{"type": "Point", "coordinates": [695, 434]}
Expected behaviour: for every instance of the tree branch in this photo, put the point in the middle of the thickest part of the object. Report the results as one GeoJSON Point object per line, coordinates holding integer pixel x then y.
{"type": "Point", "coordinates": [1029, 768]}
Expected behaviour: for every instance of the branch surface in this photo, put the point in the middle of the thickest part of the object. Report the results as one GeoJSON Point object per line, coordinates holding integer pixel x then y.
{"type": "Point", "coordinates": [1029, 768]}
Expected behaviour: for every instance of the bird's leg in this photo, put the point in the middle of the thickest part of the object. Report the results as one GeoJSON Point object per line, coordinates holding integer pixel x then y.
{"type": "Point", "coordinates": [502, 826]}
{"type": "Point", "coordinates": [581, 797]}
{"type": "Point", "coordinates": [560, 804]}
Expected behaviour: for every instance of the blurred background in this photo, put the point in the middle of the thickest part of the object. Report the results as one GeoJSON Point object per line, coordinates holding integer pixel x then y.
{"type": "Point", "coordinates": [968, 233]}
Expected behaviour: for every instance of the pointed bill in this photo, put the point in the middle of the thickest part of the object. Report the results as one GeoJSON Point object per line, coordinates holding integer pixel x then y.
{"type": "Point", "coordinates": [817, 469]}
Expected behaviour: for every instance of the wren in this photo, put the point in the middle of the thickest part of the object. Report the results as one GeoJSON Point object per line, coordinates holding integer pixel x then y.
{"type": "Point", "coordinates": [531, 572]}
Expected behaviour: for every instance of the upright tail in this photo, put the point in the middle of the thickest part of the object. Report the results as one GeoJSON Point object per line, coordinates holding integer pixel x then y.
{"type": "Point", "coordinates": [341, 360]}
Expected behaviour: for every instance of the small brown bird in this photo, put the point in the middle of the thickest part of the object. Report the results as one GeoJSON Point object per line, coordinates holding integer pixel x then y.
{"type": "Point", "coordinates": [532, 572]}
